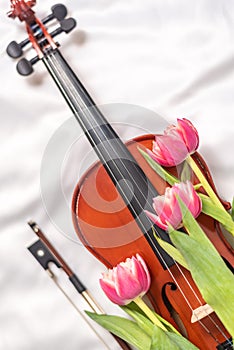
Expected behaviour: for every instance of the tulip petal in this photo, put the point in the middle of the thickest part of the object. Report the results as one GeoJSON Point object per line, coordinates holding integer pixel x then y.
{"type": "Point", "coordinates": [158, 204]}
{"type": "Point", "coordinates": [139, 273]}
{"type": "Point", "coordinates": [161, 149]}
{"type": "Point", "coordinates": [147, 274]}
{"type": "Point", "coordinates": [127, 286]}
{"type": "Point", "coordinates": [167, 206]}
{"type": "Point", "coordinates": [190, 197]}
{"type": "Point", "coordinates": [188, 133]}
{"type": "Point", "coordinates": [110, 292]}
{"type": "Point", "coordinates": [156, 219]}
{"type": "Point", "coordinates": [137, 270]}
{"type": "Point", "coordinates": [172, 149]}
{"type": "Point", "coordinates": [159, 159]}
{"type": "Point", "coordinates": [169, 210]}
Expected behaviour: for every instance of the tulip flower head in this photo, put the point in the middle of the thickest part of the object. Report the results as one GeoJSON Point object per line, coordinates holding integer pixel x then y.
{"type": "Point", "coordinates": [176, 144]}
{"type": "Point", "coordinates": [127, 281]}
{"type": "Point", "coordinates": [167, 207]}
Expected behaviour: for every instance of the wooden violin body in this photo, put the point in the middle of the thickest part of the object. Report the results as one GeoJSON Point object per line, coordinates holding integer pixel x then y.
{"type": "Point", "coordinates": [107, 229]}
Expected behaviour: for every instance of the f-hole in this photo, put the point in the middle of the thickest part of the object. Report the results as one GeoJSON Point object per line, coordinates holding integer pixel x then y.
{"type": "Point", "coordinates": [170, 308]}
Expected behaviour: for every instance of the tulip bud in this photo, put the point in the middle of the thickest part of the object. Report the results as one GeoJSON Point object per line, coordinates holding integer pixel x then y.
{"type": "Point", "coordinates": [176, 144]}
{"type": "Point", "coordinates": [167, 206]}
{"type": "Point", "coordinates": [127, 281]}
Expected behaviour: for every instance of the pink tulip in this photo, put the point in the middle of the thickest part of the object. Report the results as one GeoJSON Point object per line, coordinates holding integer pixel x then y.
{"type": "Point", "coordinates": [127, 281]}
{"type": "Point", "coordinates": [167, 206]}
{"type": "Point", "coordinates": [176, 144]}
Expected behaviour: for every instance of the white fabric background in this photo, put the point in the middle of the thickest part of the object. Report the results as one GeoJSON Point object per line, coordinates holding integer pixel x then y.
{"type": "Point", "coordinates": [174, 57]}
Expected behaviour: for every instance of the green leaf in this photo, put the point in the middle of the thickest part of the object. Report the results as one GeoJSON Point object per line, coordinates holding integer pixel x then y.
{"type": "Point", "coordinates": [144, 335]}
{"type": "Point", "coordinates": [160, 341]}
{"type": "Point", "coordinates": [133, 310]}
{"type": "Point", "coordinates": [169, 326]}
{"type": "Point", "coordinates": [123, 328]}
{"type": "Point", "coordinates": [221, 215]}
{"type": "Point", "coordinates": [172, 251]}
{"type": "Point", "coordinates": [159, 169]}
{"type": "Point", "coordinates": [169, 341]}
{"type": "Point", "coordinates": [142, 320]}
{"type": "Point", "coordinates": [214, 280]}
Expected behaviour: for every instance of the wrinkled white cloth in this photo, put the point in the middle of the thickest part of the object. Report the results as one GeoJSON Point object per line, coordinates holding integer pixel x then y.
{"type": "Point", "coordinates": [173, 57]}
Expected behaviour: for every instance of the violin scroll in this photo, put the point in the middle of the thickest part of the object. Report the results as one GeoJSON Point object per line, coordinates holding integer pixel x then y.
{"type": "Point", "coordinates": [23, 10]}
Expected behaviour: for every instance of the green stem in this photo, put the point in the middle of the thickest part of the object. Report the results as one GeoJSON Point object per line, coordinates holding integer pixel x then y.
{"type": "Point", "coordinates": [142, 305]}
{"type": "Point", "coordinates": [205, 184]}
{"type": "Point", "coordinates": [222, 216]}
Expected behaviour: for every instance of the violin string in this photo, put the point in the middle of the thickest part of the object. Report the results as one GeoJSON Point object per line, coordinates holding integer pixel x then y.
{"type": "Point", "coordinates": [56, 65]}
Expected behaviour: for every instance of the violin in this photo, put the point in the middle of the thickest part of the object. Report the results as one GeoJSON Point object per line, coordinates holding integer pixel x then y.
{"type": "Point", "coordinates": [109, 201]}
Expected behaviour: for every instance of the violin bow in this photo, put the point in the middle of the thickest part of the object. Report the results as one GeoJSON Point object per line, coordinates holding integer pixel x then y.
{"type": "Point", "coordinates": [45, 253]}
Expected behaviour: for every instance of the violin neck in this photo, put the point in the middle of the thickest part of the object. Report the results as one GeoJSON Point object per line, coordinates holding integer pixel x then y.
{"type": "Point", "coordinates": [99, 132]}
{"type": "Point", "coordinates": [80, 102]}
{"type": "Point", "coordinates": [114, 155]}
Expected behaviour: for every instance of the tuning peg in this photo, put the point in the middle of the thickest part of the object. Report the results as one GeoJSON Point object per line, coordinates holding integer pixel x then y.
{"type": "Point", "coordinates": [25, 67]}
{"type": "Point", "coordinates": [59, 11]}
{"type": "Point", "coordinates": [14, 49]}
{"type": "Point", "coordinates": [66, 26]}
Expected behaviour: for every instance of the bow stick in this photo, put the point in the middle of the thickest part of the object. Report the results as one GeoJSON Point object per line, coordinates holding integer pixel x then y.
{"type": "Point", "coordinates": [45, 253]}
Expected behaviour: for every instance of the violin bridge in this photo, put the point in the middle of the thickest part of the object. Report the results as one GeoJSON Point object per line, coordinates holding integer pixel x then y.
{"type": "Point", "coordinates": [201, 312]}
